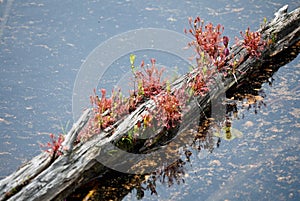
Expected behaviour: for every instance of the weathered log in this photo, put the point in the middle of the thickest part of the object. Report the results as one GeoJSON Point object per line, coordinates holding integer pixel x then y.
{"type": "Point", "coordinates": [41, 180]}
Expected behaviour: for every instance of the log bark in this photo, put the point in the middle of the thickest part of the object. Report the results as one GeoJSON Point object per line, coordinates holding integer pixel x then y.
{"type": "Point", "coordinates": [42, 179]}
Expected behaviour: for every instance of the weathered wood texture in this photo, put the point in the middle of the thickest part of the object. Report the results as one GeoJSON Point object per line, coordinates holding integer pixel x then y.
{"type": "Point", "coordinates": [41, 180]}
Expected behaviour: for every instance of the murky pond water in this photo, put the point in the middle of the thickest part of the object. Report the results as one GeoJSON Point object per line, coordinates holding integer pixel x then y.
{"type": "Point", "coordinates": [44, 43]}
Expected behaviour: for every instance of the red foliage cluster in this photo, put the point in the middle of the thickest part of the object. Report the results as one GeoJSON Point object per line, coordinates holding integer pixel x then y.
{"type": "Point", "coordinates": [150, 80]}
{"type": "Point", "coordinates": [212, 49]}
{"type": "Point", "coordinates": [54, 148]}
{"type": "Point", "coordinates": [151, 86]}
{"type": "Point", "coordinates": [253, 42]}
{"type": "Point", "coordinates": [149, 83]}
{"type": "Point", "coordinates": [168, 109]}
{"type": "Point", "coordinates": [107, 110]}
{"type": "Point", "coordinates": [102, 110]}
{"type": "Point", "coordinates": [209, 39]}
{"type": "Point", "coordinates": [198, 85]}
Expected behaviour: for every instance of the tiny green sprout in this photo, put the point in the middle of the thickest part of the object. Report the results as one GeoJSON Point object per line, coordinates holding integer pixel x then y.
{"type": "Point", "coordinates": [168, 87]}
{"type": "Point", "coordinates": [126, 140]}
{"type": "Point", "coordinates": [64, 128]}
{"type": "Point", "coordinates": [191, 91]}
{"type": "Point", "coordinates": [132, 59]}
{"type": "Point", "coordinates": [130, 134]}
{"type": "Point", "coordinates": [135, 130]}
{"type": "Point", "coordinates": [202, 57]}
{"type": "Point", "coordinates": [273, 37]}
{"type": "Point", "coordinates": [141, 90]}
{"type": "Point", "coordinates": [235, 64]}
{"type": "Point", "coordinates": [204, 70]}
{"type": "Point", "coordinates": [265, 20]}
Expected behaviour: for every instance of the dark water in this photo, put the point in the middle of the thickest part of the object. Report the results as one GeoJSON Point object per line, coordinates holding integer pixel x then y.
{"type": "Point", "coordinates": [44, 43]}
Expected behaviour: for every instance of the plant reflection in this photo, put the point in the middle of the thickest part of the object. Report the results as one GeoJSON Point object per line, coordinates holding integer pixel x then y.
{"type": "Point", "coordinates": [206, 137]}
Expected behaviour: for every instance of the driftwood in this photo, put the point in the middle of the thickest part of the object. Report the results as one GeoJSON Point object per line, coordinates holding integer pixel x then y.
{"type": "Point", "coordinates": [42, 179]}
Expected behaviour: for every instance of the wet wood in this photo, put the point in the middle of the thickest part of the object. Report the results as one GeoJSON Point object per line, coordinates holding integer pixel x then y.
{"type": "Point", "coordinates": [39, 179]}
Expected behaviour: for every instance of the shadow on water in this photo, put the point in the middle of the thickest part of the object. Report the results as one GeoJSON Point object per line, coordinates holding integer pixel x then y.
{"type": "Point", "coordinates": [205, 137]}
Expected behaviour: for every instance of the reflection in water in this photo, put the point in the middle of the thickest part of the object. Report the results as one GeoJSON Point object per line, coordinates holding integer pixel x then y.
{"type": "Point", "coordinates": [206, 136]}
{"type": "Point", "coordinates": [114, 185]}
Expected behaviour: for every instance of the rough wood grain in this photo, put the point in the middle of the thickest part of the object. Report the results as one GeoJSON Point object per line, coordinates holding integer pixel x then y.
{"type": "Point", "coordinates": [40, 180]}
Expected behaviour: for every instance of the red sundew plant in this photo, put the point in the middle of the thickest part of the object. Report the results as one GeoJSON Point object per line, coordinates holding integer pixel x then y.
{"type": "Point", "coordinates": [168, 109]}
{"type": "Point", "coordinates": [106, 112]}
{"type": "Point", "coordinates": [102, 110]}
{"type": "Point", "coordinates": [148, 81]}
{"type": "Point", "coordinates": [120, 105]}
{"type": "Point", "coordinates": [198, 85]}
{"type": "Point", "coordinates": [54, 148]}
{"type": "Point", "coordinates": [253, 42]}
{"type": "Point", "coordinates": [151, 86]}
{"type": "Point", "coordinates": [208, 39]}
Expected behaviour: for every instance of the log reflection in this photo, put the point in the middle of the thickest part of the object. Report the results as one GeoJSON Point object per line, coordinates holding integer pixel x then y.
{"type": "Point", "coordinates": [115, 185]}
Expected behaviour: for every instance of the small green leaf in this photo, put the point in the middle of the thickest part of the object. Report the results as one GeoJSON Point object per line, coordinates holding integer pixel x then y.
{"type": "Point", "coordinates": [135, 130]}
{"type": "Point", "coordinates": [204, 70]}
{"type": "Point", "coordinates": [132, 59]}
{"type": "Point", "coordinates": [168, 86]}
{"type": "Point", "coordinates": [202, 57]}
{"type": "Point", "coordinates": [140, 88]}
{"type": "Point", "coordinates": [265, 20]}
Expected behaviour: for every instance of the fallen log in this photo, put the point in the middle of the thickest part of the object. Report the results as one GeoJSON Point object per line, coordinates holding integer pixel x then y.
{"type": "Point", "coordinates": [43, 179]}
